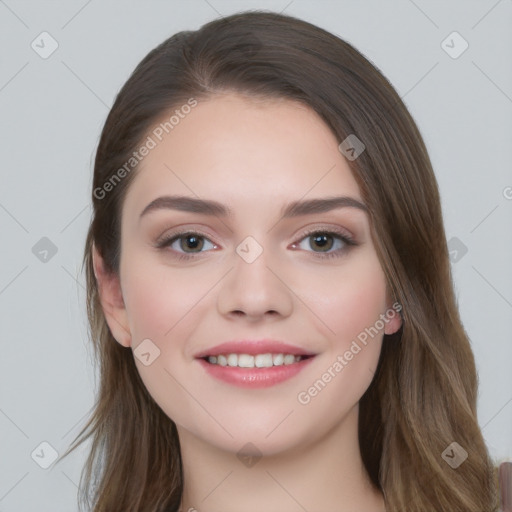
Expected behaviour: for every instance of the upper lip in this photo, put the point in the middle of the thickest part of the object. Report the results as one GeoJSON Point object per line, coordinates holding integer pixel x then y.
{"type": "Point", "coordinates": [254, 347]}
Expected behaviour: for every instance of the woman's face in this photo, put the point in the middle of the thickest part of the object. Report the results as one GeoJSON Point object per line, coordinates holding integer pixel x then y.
{"type": "Point", "coordinates": [257, 276]}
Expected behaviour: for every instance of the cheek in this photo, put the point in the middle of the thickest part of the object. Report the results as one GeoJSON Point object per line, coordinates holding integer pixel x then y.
{"type": "Point", "coordinates": [347, 299]}
{"type": "Point", "coordinates": [149, 306]}
{"type": "Point", "coordinates": [349, 302]}
{"type": "Point", "coordinates": [159, 301]}
{"type": "Point", "coordinates": [159, 309]}
{"type": "Point", "coordinates": [166, 306]}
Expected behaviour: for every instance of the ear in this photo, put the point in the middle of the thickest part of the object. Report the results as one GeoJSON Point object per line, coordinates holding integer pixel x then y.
{"type": "Point", "coordinates": [111, 298]}
{"type": "Point", "coordinates": [393, 314]}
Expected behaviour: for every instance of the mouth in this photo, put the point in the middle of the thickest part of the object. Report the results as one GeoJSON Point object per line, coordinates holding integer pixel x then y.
{"type": "Point", "coordinates": [254, 364]}
{"type": "Point", "coordinates": [267, 360]}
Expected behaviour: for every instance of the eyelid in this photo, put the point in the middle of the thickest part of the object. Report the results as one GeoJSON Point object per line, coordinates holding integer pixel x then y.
{"type": "Point", "coordinates": [303, 233]}
{"type": "Point", "coordinates": [346, 237]}
{"type": "Point", "coordinates": [177, 232]}
{"type": "Point", "coordinates": [337, 230]}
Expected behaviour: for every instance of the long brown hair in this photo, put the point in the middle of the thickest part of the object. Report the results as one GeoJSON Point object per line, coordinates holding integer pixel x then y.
{"type": "Point", "coordinates": [423, 395]}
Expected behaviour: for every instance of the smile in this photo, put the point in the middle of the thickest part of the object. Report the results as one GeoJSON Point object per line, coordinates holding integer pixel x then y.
{"type": "Point", "coordinates": [254, 361]}
{"type": "Point", "coordinates": [254, 371]}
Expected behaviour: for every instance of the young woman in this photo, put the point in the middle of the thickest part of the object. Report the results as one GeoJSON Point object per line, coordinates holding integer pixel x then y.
{"type": "Point", "coordinates": [269, 289]}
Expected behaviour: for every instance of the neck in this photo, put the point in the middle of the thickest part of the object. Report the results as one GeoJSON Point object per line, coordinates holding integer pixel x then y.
{"type": "Point", "coordinates": [325, 475]}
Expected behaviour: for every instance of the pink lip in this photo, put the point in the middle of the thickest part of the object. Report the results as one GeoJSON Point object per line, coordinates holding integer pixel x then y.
{"type": "Point", "coordinates": [254, 377]}
{"type": "Point", "coordinates": [253, 347]}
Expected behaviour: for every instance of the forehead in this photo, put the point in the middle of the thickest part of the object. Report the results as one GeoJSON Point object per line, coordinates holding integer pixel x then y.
{"type": "Point", "coordinates": [244, 150]}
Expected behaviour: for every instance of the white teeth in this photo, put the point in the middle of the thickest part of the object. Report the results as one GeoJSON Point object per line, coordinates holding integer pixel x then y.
{"type": "Point", "coordinates": [289, 359]}
{"type": "Point", "coordinates": [278, 359]}
{"type": "Point", "coordinates": [258, 361]}
{"type": "Point", "coordinates": [263, 360]}
{"type": "Point", "coordinates": [245, 361]}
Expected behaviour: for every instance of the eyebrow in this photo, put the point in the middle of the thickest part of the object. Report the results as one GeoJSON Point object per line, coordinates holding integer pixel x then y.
{"type": "Point", "coordinates": [209, 207]}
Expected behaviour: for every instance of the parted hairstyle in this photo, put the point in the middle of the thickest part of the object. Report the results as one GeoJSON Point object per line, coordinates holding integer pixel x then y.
{"type": "Point", "coordinates": [423, 395]}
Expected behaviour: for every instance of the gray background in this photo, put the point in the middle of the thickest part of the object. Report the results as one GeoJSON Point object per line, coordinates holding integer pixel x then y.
{"type": "Point", "coordinates": [52, 111]}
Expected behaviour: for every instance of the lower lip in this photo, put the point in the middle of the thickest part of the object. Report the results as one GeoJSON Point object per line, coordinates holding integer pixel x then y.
{"type": "Point", "coordinates": [254, 377]}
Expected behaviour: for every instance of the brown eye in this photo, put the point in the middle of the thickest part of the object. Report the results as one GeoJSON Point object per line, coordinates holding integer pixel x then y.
{"type": "Point", "coordinates": [325, 244]}
{"type": "Point", "coordinates": [322, 241]}
{"type": "Point", "coordinates": [191, 243]}
{"type": "Point", "coordinates": [186, 243]}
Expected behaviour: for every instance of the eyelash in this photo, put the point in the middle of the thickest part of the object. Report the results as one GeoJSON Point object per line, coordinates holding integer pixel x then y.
{"type": "Point", "coordinates": [346, 239]}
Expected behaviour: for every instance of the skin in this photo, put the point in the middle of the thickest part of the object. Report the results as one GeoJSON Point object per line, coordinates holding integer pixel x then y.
{"type": "Point", "coordinates": [254, 156]}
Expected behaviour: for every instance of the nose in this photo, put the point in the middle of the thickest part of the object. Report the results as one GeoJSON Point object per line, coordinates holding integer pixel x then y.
{"type": "Point", "coordinates": [255, 291]}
